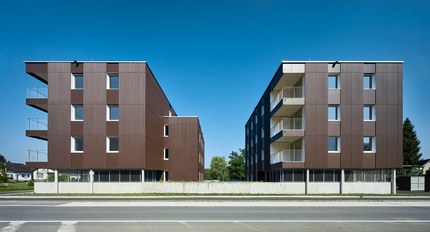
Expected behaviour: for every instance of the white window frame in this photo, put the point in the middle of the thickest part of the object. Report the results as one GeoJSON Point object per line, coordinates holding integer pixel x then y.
{"type": "Point", "coordinates": [108, 113]}
{"type": "Point", "coordinates": [73, 82]}
{"type": "Point", "coordinates": [73, 113]}
{"type": "Point", "coordinates": [108, 144]}
{"type": "Point", "coordinates": [108, 76]}
{"type": "Point", "coordinates": [337, 113]}
{"type": "Point", "coordinates": [164, 130]}
{"type": "Point", "coordinates": [337, 81]}
{"type": "Point", "coordinates": [167, 149]}
{"type": "Point", "coordinates": [372, 113]}
{"type": "Point", "coordinates": [372, 80]}
{"type": "Point", "coordinates": [73, 145]}
{"type": "Point", "coordinates": [337, 143]}
{"type": "Point", "coordinates": [373, 143]}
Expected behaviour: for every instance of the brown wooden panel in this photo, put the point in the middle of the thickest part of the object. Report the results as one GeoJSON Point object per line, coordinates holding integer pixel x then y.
{"type": "Point", "coordinates": [130, 88]}
{"type": "Point", "coordinates": [333, 160]}
{"type": "Point", "coordinates": [369, 68]}
{"type": "Point", "coordinates": [346, 86]}
{"type": "Point", "coordinates": [310, 151]}
{"type": "Point", "coordinates": [334, 96]}
{"type": "Point", "coordinates": [322, 119]}
{"type": "Point", "coordinates": [392, 84]}
{"type": "Point", "coordinates": [95, 151]}
{"type": "Point", "coordinates": [54, 88]}
{"type": "Point", "coordinates": [76, 67]}
{"type": "Point", "coordinates": [112, 97]}
{"type": "Point", "coordinates": [369, 161]}
{"type": "Point", "coordinates": [334, 128]}
{"type": "Point", "coordinates": [356, 88]}
{"type": "Point", "coordinates": [310, 88]}
{"type": "Point", "coordinates": [135, 114]}
{"type": "Point", "coordinates": [77, 97]}
{"type": "Point", "coordinates": [64, 86]}
{"type": "Point", "coordinates": [94, 120]}
{"type": "Point", "coordinates": [369, 128]}
{"type": "Point", "coordinates": [321, 151]}
{"type": "Point", "coordinates": [112, 128]}
{"type": "Point", "coordinates": [132, 151]}
{"type": "Point", "coordinates": [369, 96]}
{"type": "Point", "coordinates": [381, 152]}
{"type": "Point", "coordinates": [393, 151]}
{"type": "Point", "coordinates": [352, 67]}
{"type": "Point", "coordinates": [321, 93]}
{"type": "Point", "coordinates": [100, 68]}
{"type": "Point", "coordinates": [356, 120]}
{"type": "Point", "coordinates": [381, 67]}
{"type": "Point", "coordinates": [293, 165]}
{"type": "Point", "coordinates": [392, 120]}
{"type": "Point", "coordinates": [41, 67]}
{"type": "Point", "coordinates": [53, 67]}
{"type": "Point", "coordinates": [381, 120]}
{"type": "Point", "coordinates": [310, 120]}
{"type": "Point", "coordinates": [112, 68]}
{"type": "Point", "coordinates": [346, 149]}
{"type": "Point", "coordinates": [357, 151]}
{"type": "Point", "coordinates": [77, 128]}
{"type": "Point", "coordinates": [76, 161]}
{"type": "Point", "coordinates": [59, 120]}
{"type": "Point", "coordinates": [112, 161]}
{"type": "Point", "coordinates": [346, 119]}
{"type": "Point", "coordinates": [59, 152]}
{"type": "Point", "coordinates": [381, 88]}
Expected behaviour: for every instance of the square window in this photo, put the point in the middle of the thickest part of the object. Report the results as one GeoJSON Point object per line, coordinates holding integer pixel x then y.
{"type": "Point", "coordinates": [77, 144]}
{"type": "Point", "coordinates": [112, 144]}
{"type": "Point", "coordinates": [113, 81]}
{"type": "Point", "coordinates": [333, 82]}
{"type": "Point", "coordinates": [368, 81]}
{"type": "Point", "coordinates": [166, 130]}
{"type": "Point", "coordinates": [112, 112]}
{"type": "Point", "coordinates": [77, 81]}
{"type": "Point", "coordinates": [77, 112]}
{"type": "Point", "coordinates": [369, 113]}
{"type": "Point", "coordinates": [369, 144]}
{"type": "Point", "coordinates": [333, 113]}
{"type": "Point", "coordinates": [166, 153]}
{"type": "Point", "coordinates": [333, 144]}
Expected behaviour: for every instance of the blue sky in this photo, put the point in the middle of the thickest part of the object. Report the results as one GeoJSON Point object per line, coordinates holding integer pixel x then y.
{"type": "Point", "coordinates": [213, 59]}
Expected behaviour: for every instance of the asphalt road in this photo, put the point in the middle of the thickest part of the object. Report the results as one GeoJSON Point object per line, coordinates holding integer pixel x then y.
{"type": "Point", "coordinates": [213, 216]}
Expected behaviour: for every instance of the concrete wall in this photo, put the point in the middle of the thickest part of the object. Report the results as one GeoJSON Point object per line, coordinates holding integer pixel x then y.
{"type": "Point", "coordinates": [211, 187]}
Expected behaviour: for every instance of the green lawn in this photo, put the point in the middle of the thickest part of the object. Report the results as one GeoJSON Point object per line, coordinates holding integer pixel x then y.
{"type": "Point", "coordinates": [15, 186]}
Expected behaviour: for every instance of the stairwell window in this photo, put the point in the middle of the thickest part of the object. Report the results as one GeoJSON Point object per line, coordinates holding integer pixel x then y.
{"type": "Point", "coordinates": [166, 130]}
{"type": "Point", "coordinates": [333, 113]}
{"type": "Point", "coordinates": [368, 81]}
{"type": "Point", "coordinates": [77, 144]}
{"type": "Point", "coordinates": [333, 144]}
{"type": "Point", "coordinates": [166, 153]}
{"type": "Point", "coordinates": [112, 81]}
{"type": "Point", "coordinates": [77, 81]}
{"type": "Point", "coordinates": [333, 82]}
{"type": "Point", "coordinates": [369, 145]}
{"type": "Point", "coordinates": [112, 144]}
{"type": "Point", "coordinates": [77, 112]}
{"type": "Point", "coordinates": [369, 113]}
{"type": "Point", "coordinates": [112, 113]}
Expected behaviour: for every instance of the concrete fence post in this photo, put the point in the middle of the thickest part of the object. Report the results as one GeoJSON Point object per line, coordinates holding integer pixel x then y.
{"type": "Point", "coordinates": [393, 181]}
{"type": "Point", "coordinates": [56, 180]}
{"type": "Point", "coordinates": [307, 182]}
{"type": "Point", "coordinates": [92, 180]}
{"type": "Point", "coordinates": [342, 181]}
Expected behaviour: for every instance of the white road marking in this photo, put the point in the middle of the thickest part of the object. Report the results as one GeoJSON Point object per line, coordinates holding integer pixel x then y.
{"type": "Point", "coordinates": [13, 226]}
{"type": "Point", "coordinates": [67, 226]}
{"type": "Point", "coordinates": [222, 221]}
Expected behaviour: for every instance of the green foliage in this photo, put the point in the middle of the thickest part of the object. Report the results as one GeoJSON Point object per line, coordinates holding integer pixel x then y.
{"type": "Point", "coordinates": [3, 177]}
{"type": "Point", "coordinates": [2, 159]}
{"type": "Point", "coordinates": [63, 177]}
{"type": "Point", "coordinates": [236, 168]}
{"type": "Point", "coordinates": [208, 174]}
{"type": "Point", "coordinates": [51, 177]}
{"type": "Point", "coordinates": [30, 183]}
{"type": "Point", "coordinates": [218, 168]}
{"type": "Point", "coordinates": [411, 144]}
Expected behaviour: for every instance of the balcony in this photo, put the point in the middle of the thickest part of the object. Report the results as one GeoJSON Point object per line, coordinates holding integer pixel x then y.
{"type": "Point", "coordinates": [37, 128]}
{"type": "Point", "coordinates": [38, 98]}
{"type": "Point", "coordinates": [37, 159]}
{"type": "Point", "coordinates": [287, 156]}
{"type": "Point", "coordinates": [287, 101]}
{"type": "Point", "coordinates": [287, 130]}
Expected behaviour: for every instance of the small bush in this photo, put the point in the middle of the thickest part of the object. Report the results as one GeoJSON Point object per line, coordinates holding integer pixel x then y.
{"type": "Point", "coordinates": [30, 183]}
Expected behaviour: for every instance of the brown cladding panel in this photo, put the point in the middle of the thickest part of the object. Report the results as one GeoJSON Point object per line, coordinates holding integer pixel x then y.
{"type": "Point", "coordinates": [310, 120]}
{"type": "Point", "coordinates": [322, 119]}
{"type": "Point", "coordinates": [77, 68]}
{"type": "Point", "coordinates": [369, 161]}
{"type": "Point", "coordinates": [381, 120]}
{"type": "Point", "coordinates": [334, 96]}
{"type": "Point", "coordinates": [369, 68]}
{"type": "Point", "coordinates": [310, 151]}
{"type": "Point", "coordinates": [381, 88]}
{"type": "Point", "coordinates": [54, 90]}
{"type": "Point", "coordinates": [392, 120]}
{"type": "Point", "coordinates": [36, 67]}
{"type": "Point", "coordinates": [112, 161]}
{"type": "Point", "coordinates": [356, 120]}
{"type": "Point", "coordinates": [94, 88]}
{"type": "Point", "coordinates": [112, 128]}
{"type": "Point", "coordinates": [112, 97]}
{"type": "Point", "coordinates": [132, 151]}
{"type": "Point", "coordinates": [95, 151]}
{"type": "Point", "coordinates": [393, 151]}
{"type": "Point", "coordinates": [131, 88]}
{"type": "Point", "coordinates": [77, 128]}
{"type": "Point", "coordinates": [59, 152]}
{"type": "Point", "coordinates": [346, 86]}
{"type": "Point", "coordinates": [346, 149]}
{"type": "Point", "coordinates": [321, 151]}
{"type": "Point", "coordinates": [321, 93]}
{"type": "Point", "coordinates": [333, 160]}
{"type": "Point", "coordinates": [310, 88]}
{"type": "Point", "coordinates": [356, 88]}
{"type": "Point", "coordinates": [357, 151]}
{"type": "Point", "coordinates": [392, 88]}
{"type": "Point", "coordinates": [369, 128]}
{"type": "Point", "coordinates": [77, 97]}
{"type": "Point", "coordinates": [346, 119]}
{"type": "Point", "coordinates": [334, 128]}
{"type": "Point", "coordinates": [112, 67]}
{"type": "Point", "coordinates": [369, 97]}
{"type": "Point", "coordinates": [59, 120]}
{"type": "Point", "coordinates": [94, 120]}
{"type": "Point", "coordinates": [381, 152]}
{"type": "Point", "coordinates": [132, 120]}
{"type": "Point", "coordinates": [76, 161]}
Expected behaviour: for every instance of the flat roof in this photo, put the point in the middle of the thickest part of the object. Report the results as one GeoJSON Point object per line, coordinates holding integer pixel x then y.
{"type": "Point", "coordinates": [84, 61]}
{"type": "Point", "coordinates": [341, 61]}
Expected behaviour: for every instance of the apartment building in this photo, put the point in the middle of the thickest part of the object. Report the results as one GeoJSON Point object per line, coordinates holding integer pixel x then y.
{"type": "Point", "coordinates": [328, 121]}
{"type": "Point", "coordinates": [111, 122]}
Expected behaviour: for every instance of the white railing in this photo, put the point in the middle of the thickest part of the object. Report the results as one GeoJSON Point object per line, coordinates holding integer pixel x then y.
{"type": "Point", "coordinates": [287, 156]}
{"type": "Point", "coordinates": [37, 92]}
{"type": "Point", "coordinates": [286, 92]}
{"type": "Point", "coordinates": [37, 156]}
{"type": "Point", "coordinates": [287, 124]}
{"type": "Point", "coordinates": [37, 124]}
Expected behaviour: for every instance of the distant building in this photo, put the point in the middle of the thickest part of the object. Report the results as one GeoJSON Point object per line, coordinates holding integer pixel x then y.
{"type": "Point", "coordinates": [18, 172]}
{"type": "Point", "coordinates": [327, 121]}
{"type": "Point", "coordinates": [423, 166]}
{"type": "Point", "coordinates": [111, 121]}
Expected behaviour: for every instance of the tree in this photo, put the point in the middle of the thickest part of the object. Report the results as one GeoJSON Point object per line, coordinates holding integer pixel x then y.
{"type": "Point", "coordinates": [218, 168]}
{"type": "Point", "coordinates": [208, 174]}
{"type": "Point", "coordinates": [3, 161]}
{"type": "Point", "coordinates": [411, 144]}
{"type": "Point", "coordinates": [236, 168]}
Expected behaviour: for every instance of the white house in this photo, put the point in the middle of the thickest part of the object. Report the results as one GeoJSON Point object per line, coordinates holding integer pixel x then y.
{"type": "Point", "coordinates": [18, 172]}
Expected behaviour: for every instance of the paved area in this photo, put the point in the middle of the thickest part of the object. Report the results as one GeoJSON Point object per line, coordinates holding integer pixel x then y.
{"type": "Point", "coordinates": [71, 216]}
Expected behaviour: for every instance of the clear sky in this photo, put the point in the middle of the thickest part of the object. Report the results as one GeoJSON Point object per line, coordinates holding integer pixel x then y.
{"type": "Point", "coordinates": [213, 59]}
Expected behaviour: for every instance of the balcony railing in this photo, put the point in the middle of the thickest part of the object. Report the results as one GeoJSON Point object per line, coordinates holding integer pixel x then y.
{"type": "Point", "coordinates": [287, 124]}
{"type": "Point", "coordinates": [286, 92]}
{"type": "Point", "coordinates": [287, 156]}
{"type": "Point", "coordinates": [37, 156]}
{"type": "Point", "coordinates": [37, 92]}
{"type": "Point", "coordinates": [37, 124]}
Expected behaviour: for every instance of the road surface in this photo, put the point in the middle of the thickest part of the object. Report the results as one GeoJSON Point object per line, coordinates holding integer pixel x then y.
{"type": "Point", "coordinates": [71, 216]}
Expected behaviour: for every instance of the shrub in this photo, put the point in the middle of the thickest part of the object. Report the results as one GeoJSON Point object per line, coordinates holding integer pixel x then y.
{"type": "Point", "coordinates": [30, 183]}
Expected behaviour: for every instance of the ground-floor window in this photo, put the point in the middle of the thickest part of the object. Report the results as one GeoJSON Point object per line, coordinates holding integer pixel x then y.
{"type": "Point", "coordinates": [328, 175]}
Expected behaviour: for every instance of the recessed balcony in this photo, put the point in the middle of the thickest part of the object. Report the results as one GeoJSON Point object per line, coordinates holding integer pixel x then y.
{"type": "Point", "coordinates": [287, 130]}
{"type": "Point", "coordinates": [287, 101]}
{"type": "Point", "coordinates": [287, 155]}
{"type": "Point", "coordinates": [38, 98]}
{"type": "Point", "coordinates": [37, 128]}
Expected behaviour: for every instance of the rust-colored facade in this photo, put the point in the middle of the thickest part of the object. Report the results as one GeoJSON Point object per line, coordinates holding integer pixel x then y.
{"type": "Point", "coordinates": [140, 111]}
{"type": "Point", "coordinates": [327, 120]}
